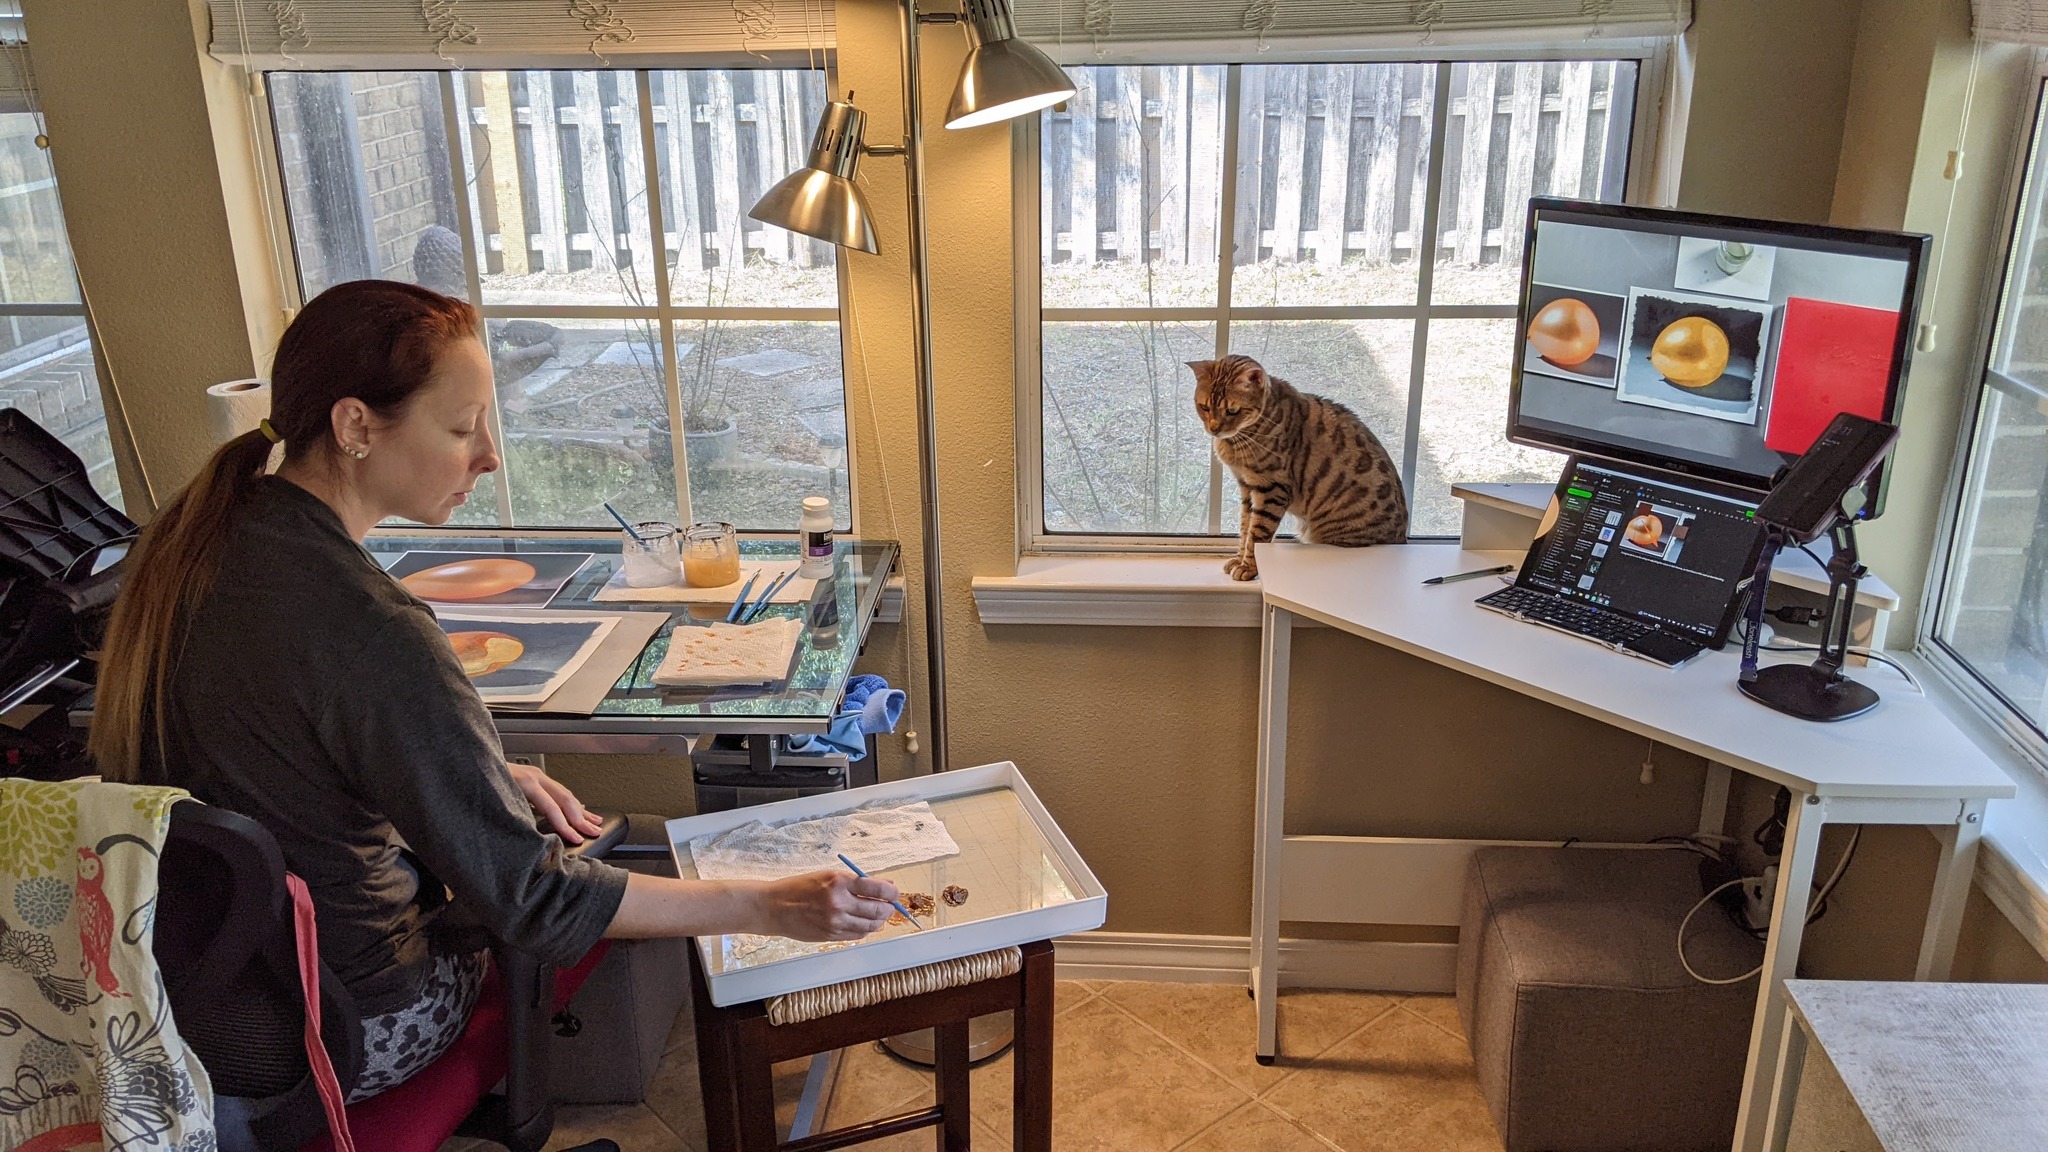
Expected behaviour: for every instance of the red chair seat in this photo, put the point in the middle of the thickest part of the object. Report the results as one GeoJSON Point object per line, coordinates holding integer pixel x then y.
{"type": "Point", "coordinates": [418, 1115]}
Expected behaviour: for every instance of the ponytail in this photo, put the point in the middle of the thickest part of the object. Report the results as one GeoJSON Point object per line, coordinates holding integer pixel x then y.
{"type": "Point", "coordinates": [374, 340]}
{"type": "Point", "coordinates": [170, 570]}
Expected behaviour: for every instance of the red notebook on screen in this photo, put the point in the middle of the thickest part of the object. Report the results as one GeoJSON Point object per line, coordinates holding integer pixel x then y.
{"type": "Point", "coordinates": [1831, 358]}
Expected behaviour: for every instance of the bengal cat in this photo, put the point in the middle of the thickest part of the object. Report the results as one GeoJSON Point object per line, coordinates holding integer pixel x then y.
{"type": "Point", "coordinates": [1292, 451]}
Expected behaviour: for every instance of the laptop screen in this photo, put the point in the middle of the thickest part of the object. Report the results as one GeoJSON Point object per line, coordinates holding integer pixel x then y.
{"type": "Point", "coordinates": [1663, 553]}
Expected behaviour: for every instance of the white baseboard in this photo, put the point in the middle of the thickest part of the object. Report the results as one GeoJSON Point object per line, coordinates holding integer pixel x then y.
{"type": "Point", "coordinates": [1367, 965]}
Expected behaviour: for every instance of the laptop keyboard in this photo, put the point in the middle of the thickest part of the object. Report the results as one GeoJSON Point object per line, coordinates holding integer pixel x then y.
{"type": "Point", "coordinates": [1569, 615]}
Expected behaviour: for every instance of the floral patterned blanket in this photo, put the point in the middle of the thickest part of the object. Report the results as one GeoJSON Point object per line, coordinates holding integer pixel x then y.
{"type": "Point", "coordinates": [89, 1056]}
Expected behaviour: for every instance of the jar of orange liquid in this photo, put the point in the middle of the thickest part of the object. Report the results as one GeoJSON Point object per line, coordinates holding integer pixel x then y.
{"type": "Point", "coordinates": [711, 555]}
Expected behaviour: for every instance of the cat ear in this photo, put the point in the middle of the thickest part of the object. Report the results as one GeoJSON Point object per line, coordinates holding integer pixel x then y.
{"type": "Point", "coordinates": [1202, 367]}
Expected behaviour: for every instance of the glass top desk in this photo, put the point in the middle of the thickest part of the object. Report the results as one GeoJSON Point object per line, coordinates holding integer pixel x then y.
{"type": "Point", "coordinates": [639, 716]}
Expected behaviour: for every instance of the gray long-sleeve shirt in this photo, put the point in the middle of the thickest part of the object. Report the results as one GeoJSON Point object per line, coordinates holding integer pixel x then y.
{"type": "Point", "coordinates": [317, 696]}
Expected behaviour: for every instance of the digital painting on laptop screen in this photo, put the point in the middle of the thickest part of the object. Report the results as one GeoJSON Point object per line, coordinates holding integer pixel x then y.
{"type": "Point", "coordinates": [1706, 345]}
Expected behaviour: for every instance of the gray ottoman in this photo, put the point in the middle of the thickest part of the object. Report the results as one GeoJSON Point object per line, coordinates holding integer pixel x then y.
{"type": "Point", "coordinates": [1587, 1033]}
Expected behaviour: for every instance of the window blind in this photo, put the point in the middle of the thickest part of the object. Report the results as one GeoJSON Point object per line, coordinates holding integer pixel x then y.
{"type": "Point", "coordinates": [444, 34]}
{"type": "Point", "coordinates": [17, 76]}
{"type": "Point", "coordinates": [2016, 21]}
{"type": "Point", "coordinates": [1075, 31]}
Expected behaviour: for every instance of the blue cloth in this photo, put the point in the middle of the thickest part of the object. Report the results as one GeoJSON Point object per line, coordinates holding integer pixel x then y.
{"type": "Point", "coordinates": [869, 705]}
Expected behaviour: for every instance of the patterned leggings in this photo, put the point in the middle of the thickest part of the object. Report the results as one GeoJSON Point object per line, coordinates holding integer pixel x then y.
{"type": "Point", "coordinates": [398, 1044]}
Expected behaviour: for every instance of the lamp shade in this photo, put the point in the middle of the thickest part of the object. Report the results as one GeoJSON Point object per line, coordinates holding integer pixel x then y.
{"type": "Point", "coordinates": [1004, 76]}
{"type": "Point", "coordinates": [820, 199]}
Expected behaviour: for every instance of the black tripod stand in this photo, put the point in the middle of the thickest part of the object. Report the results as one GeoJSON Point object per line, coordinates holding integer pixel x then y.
{"type": "Point", "coordinates": [1820, 690]}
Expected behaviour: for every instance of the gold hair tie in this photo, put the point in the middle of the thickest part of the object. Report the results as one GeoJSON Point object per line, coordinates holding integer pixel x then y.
{"type": "Point", "coordinates": [269, 433]}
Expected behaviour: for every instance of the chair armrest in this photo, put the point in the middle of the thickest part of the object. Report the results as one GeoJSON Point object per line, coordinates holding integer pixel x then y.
{"type": "Point", "coordinates": [607, 838]}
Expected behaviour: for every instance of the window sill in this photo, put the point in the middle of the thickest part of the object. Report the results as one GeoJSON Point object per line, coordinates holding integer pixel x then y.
{"type": "Point", "coordinates": [1119, 591]}
{"type": "Point", "coordinates": [2013, 868]}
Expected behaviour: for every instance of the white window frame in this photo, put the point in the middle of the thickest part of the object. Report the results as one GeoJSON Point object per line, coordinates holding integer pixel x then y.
{"type": "Point", "coordinates": [1964, 486]}
{"type": "Point", "coordinates": [665, 313]}
{"type": "Point", "coordinates": [1652, 105]}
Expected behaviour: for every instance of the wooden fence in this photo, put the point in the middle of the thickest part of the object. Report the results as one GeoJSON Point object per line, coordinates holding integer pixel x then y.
{"type": "Point", "coordinates": [561, 154]}
{"type": "Point", "coordinates": [1332, 160]}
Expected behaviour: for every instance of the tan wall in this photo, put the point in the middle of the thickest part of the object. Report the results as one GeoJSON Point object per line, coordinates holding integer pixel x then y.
{"type": "Point", "coordinates": [1771, 79]}
{"type": "Point", "coordinates": [1140, 740]}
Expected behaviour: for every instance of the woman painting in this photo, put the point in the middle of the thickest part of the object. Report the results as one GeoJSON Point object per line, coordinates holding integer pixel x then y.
{"type": "Point", "coordinates": [259, 657]}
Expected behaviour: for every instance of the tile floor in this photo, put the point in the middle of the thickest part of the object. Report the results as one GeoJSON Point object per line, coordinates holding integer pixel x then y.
{"type": "Point", "coordinates": [1143, 1066]}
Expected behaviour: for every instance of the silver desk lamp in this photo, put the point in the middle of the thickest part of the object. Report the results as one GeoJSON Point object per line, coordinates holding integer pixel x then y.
{"type": "Point", "coordinates": [1002, 78]}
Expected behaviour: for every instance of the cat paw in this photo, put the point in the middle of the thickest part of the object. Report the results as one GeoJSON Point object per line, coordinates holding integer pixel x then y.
{"type": "Point", "coordinates": [1241, 568]}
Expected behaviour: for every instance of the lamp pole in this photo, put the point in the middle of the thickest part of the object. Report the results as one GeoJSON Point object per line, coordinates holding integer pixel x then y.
{"type": "Point", "coordinates": [921, 359]}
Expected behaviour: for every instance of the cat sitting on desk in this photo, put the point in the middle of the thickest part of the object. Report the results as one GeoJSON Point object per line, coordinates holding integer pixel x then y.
{"type": "Point", "coordinates": [1295, 452]}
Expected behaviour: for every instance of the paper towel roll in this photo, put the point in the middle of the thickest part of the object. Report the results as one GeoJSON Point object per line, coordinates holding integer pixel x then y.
{"type": "Point", "coordinates": [236, 406]}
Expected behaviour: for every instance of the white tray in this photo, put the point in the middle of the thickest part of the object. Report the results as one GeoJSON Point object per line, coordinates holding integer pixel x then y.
{"type": "Point", "coordinates": [1025, 882]}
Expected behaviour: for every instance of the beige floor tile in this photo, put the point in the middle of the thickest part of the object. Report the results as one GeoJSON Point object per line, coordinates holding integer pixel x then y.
{"type": "Point", "coordinates": [1256, 1128]}
{"type": "Point", "coordinates": [872, 1083]}
{"type": "Point", "coordinates": [1441, 1011]}
{"type": "Point", "coordinates": [989, 1136]}
{"type": "Point", "coordinates": [676, 1096]}
{"type": "Point", "coordinates": [1400, 1085]}
{"type": "Point", "coordinates": [633, 1126]}
{"type": "Point", "coordinates": [1218, 1024]}
{"type": "Point", "coordinates": [1066, 994]}
{"type": "Point", "coordinates": [1116, 1086]}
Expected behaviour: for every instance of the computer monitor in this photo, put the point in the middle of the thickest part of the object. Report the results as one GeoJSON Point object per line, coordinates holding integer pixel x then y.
{"type": "Point", "coordinates": [1710, 346]}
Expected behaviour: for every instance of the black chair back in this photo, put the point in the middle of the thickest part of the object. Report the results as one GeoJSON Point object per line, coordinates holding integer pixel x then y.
{"type": "Point", "coordinates": [226, 945]}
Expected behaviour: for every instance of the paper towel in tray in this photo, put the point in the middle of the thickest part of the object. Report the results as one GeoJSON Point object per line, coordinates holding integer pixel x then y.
{"type": "Point", "coordinates": [877, 836]}
{"type": "Point", "coordinates": [715, 655]}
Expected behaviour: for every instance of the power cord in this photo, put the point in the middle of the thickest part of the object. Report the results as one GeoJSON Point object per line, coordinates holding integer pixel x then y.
{"type": "Point", "coordinates": [1814, 910]}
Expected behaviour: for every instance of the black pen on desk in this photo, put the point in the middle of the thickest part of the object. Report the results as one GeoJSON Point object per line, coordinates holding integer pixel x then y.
{"type": "Point", "coordinates": [1454, 578]}
{"type": "Point", "coordinates": [898, 907]}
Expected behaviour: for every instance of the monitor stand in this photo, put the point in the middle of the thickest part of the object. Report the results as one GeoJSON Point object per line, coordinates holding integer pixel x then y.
{"type": "Point", "coordinates": [1820, 690]}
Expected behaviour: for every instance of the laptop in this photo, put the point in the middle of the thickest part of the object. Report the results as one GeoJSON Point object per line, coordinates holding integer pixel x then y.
{"type": "Point", "coordinates": [1641, 563]}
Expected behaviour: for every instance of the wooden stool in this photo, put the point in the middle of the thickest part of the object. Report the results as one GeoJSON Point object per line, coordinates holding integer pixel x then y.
{"type": "Point", "coordinates": [737, 1049]}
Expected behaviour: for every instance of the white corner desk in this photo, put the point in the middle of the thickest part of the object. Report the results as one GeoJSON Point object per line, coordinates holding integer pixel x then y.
{"type": "Point", "coordinates": [1903, 763]}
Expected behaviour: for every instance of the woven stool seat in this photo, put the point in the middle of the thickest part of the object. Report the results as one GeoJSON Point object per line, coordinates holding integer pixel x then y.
{"type": "Point", "coordinates": [813, 1003]}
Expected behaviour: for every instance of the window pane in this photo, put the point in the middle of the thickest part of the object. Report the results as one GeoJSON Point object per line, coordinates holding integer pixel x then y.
{"type": "Point", "coordinates": [722, 138]}
{"type": "Point", "coordinates": [1124, 450]}
{"type": "Point", "coordinates": [35, 255]}
{"type": "Point", "coordinates": [1995, 614]}
{"type": "Point", "coordinates": [1130, 172]}
{"type": "Point", "coordinates": [1362, 364]}
{"type": "Point", "coordinates": [558, 180]}
{"type": "Point", "coordinates": [585, 417]}
{"type": "Point", "coordinates": [365, 166]}
{"type": "Point", "coordinates": [1548, 127]}
{"type": "Point", "coordinates": [765, 411]}
{"type": "Point", "coordinates": [1332, 161]}
{"type": "Point", "coordinates": [1464, 415]}
{"type": "Point", "coordinates": [46, 371]}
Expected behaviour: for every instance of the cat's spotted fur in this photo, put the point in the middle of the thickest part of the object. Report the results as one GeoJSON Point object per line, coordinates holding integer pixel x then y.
{"type": "Point", "coordinates": [1296, 452]}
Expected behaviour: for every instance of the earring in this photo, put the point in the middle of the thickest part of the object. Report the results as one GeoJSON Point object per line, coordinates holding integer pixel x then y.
{"type": "Point", "coordinates": [358, 453]}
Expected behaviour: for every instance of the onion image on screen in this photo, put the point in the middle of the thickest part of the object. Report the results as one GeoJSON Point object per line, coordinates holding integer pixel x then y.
{"type": "Point", "coordinates": [1645, 531]}
{"type": "Point", "coordinates": [1565, 332]}
{"type": "Point", "coordinates": [1691, 352]}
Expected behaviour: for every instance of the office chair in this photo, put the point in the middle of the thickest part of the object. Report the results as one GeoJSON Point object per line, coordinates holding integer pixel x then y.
{"type": "Point", "coordinates": [225, 944]}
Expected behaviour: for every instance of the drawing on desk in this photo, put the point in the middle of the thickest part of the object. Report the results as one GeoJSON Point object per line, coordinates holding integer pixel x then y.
{"type": "Point", "coordinates": [518, 658]}
{"type": "Point", "coordinates": [487, 579]}
{"type": "Point", "coordinates": [1002, 859]}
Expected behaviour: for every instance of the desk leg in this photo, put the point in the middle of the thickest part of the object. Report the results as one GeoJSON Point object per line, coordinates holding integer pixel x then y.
{"type": "Point", "coordinates": [949, 1056]}
{"type": "Point", "coordinates": [1785, 1093]}
{"type": "Point", "coordinates": [1276, 645]}
{"type": "Point", "coordinates": [1951, 891]}
{"type": "Point", "coordinates": [1781, 962]}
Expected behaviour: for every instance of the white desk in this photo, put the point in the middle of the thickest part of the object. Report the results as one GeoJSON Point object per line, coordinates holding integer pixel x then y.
{"type": "Point", "coordinates": [1903, 763]}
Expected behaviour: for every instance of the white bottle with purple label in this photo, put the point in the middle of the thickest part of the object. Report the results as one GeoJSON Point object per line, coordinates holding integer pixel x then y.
{"type": "Point", "coordinates": [814, 537]}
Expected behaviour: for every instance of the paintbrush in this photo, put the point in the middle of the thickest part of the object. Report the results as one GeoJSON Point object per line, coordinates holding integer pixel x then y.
{"type": "Point", "coordinates": [893, 904]}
